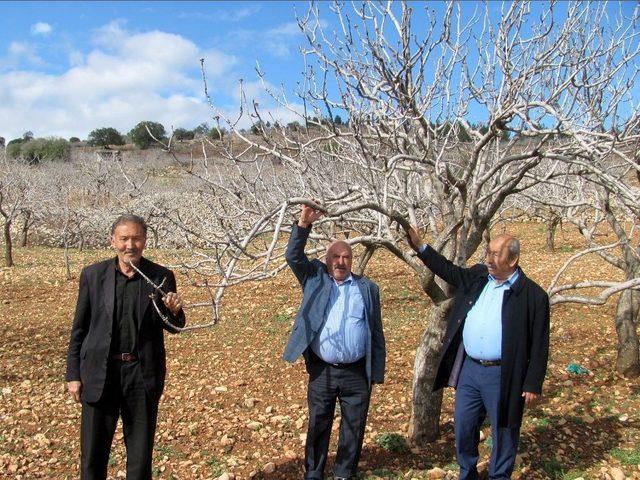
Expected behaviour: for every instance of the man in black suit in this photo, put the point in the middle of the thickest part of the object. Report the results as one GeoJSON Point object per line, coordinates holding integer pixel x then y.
{"type": "Point", "coordinates": [494, 352]}
{"type": "Point", "coordinates": [116, 359]}
{"type": "Point", "coordinates": [338, 330]}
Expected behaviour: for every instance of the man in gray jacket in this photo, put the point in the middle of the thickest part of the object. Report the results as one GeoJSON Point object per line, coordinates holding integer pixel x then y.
{"type": "Point", "coordinates": [338, 330]}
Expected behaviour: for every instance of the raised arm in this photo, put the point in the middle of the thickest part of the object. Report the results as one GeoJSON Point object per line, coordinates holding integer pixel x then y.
{"type": "Point", "coordinates": [438, 264]}
{"type": "Point", "coordinates": [295, 256]}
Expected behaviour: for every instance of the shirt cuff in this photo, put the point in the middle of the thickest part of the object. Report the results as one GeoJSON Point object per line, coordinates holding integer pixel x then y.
{"type": "Point", "coordinates": [423, 248]}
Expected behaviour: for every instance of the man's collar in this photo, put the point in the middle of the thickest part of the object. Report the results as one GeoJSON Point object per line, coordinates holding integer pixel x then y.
{"type": "Point", "coordinates": [349, 279]}
{"type": "Point", "coordinates": [509, 281]}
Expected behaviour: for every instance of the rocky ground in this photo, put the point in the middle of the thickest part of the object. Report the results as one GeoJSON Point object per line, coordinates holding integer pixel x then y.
{"type": "Point", "coordinates": [233, 409]}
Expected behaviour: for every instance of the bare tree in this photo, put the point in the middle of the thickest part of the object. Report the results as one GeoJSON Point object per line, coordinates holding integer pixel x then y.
{"type": "Point", "coordinates": [601, 206]}
{"type": "Point", "coordinates": [409, 153]}
{"type": "Point", "coordinates": [14, 188]}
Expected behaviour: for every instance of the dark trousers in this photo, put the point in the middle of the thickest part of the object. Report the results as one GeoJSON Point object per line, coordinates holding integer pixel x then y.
{"type": "Point", "coordinates": [348, 385]}
{"type": "Point", "coordinates": [124, 395]}
{"type": "Point", "coordinates": [478, 393]}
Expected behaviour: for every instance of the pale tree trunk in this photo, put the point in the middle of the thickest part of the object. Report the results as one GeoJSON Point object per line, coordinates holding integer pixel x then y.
{"type": "Point", "coordinates": [154, 234]}
{"type": "Point", "coordinates": [24, 233]}
{"type": "Point", "coordinates": [8, 250]}
{"type": "Point", "coordinates": [364, 259]}
{"type": "Point", "coordinates": [552, 225]}
{"type": "Point", "coordinates": [628, 360]}
{"type": "Point", "coordinates": [424, 426]}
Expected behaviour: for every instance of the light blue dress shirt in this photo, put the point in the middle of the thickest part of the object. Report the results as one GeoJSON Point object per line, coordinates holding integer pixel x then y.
{"type": "Point", "coordinates": [343, 336]}
{"type": "Point", "coordinates": [482, 333]}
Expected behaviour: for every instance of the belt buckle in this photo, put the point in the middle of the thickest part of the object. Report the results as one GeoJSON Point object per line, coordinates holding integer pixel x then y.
{"type": "Point", "coordinates": [127, 357]}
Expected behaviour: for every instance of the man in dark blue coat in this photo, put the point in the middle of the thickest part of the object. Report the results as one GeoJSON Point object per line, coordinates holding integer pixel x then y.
{"type": "Point", "coordinates": [338, 330]}
{"type": "Point", "coordinates": [494, 352]}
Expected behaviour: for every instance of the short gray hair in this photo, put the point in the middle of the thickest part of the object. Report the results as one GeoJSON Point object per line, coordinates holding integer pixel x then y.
{"type": "Point", "coordinates": [129, 218]}
{"type": "Point", "coordinates": [514, 248]}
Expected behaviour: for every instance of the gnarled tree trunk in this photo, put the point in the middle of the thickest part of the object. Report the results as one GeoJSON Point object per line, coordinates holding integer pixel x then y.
{"type": "Point", "coordinates": [8, 251]}
{"type": "Point", "coordinates": [424, 426]}
{"type": "Point", "coordinates": [628, 360]}
{"type": "Point", "coordinates": [24, 233]}
{"type": "Point", "coordinates": [552, 225]}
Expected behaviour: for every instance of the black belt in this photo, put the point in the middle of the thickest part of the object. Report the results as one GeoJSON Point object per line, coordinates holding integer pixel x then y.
{"type": "Point", "coordinates": [346, 365]}
{"type": "Point", "coordinates": [124, 357]}
{"type": "Point", "coordinates": [487, 363]}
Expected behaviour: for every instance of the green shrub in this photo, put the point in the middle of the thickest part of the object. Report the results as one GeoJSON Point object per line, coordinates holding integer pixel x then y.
{"type": "Point", "coordinates": [183, 134]}
{"type": "Point", "coordinates": [41, 149]}
{"type": "Point", "coordinates": [139, 134]}
{"type": "Point", "coordinates": [626, 457]}
{"type": "Point", "coordinates": [13, 147]}
{"type": "Point", "coordinates": [216, 133]}
{"type": "Point", "coordinates": [103, 137]}
{"type": "Point", "coordinates": [392, 442]}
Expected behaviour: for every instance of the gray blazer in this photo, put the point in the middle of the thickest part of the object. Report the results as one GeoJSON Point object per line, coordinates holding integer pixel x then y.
{"type": "Point", "coordinates": [316, 287]}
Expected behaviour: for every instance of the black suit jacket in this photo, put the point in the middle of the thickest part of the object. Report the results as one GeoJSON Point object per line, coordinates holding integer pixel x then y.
{"type": "Point", "coordinates": [90, 342]}
{"type": "Point", "coordinates": [525, 332]}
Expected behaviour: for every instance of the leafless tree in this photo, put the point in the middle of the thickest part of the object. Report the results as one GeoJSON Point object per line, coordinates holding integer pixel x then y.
{"type": "Point", "coordinates": [547, 87]}
{"type": "Point", "coordinates": [14, 188]}
{"type": "Point", "coordinates": [603, 203]}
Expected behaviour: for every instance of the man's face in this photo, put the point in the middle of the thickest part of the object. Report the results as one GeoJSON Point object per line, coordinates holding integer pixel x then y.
{"type": "Point", "coordinates": [339, 259]}
{"type": "Point", "coordinates": [129, 240]}
{"type": "Point", "coordinates": [497, 258]}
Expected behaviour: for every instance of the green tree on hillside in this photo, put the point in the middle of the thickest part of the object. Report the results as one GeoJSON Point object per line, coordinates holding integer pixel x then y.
{"type": "Point", "coordinates": [103, 137]}
{"type": "Point", "coordinates": [201, 130]}
{"type": "Point", "coordinates": [41, 149]}
{"type": "Point", "coordinates": [183, 134]}
{"type": "Point", "coordinates": [139, 134]}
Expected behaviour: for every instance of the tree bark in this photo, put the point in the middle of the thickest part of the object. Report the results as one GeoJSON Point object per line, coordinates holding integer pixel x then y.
{"type": "Point", "coordinates": [424, 426]}
{"type": "Point", "coordinates": [364, 259]}
{"type": "Point", "coordinates": [552, 225]}
{"type": "Point", "coordinates": [8, 250]}
{"type": "Point", "coordinates": [24, 233]}
{"type": "Point", "coordinates": [628, 360]}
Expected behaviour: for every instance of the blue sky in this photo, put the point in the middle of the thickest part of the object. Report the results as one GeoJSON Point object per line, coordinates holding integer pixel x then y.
{"type": "Point", "coordinates": [69, 67]}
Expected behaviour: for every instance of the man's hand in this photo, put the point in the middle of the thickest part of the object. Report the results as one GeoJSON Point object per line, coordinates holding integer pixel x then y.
{"type": "Point", "coordinates": [173, 302]}
{"type": "Point", "coordinates": [75, 389]}
{"type": "Point", "coordinates": [530, 398]}
{"type": "Point", "coordinates": [414, 238]}
{"type": "Point", "coordinates": [308, 215]}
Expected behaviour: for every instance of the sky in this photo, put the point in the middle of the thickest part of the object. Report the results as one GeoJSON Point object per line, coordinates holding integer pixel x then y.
{"type": "Point", "coordinates": [67, 68]}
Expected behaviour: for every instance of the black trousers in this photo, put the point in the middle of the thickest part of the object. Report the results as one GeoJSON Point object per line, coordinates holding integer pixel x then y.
{"type": "Point", "coordinates": [124, 395]}
{"type": "Point", "coordinates": [348, 385]}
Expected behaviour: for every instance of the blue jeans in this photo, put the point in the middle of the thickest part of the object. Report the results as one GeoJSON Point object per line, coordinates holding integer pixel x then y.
{"type": "Point", "coordinates": [478, 394]}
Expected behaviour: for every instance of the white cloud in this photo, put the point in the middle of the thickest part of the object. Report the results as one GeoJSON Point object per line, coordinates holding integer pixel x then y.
{"type": "Point", "coordinates": [244, 12]}
{"type": "Point", "coordinates": [20, 53]}
{"type": "Point", "coordinates": [41, 28]}
{"type": "Point", "coordinates": [278, 40]}
{"type": "Point", "coordinates": [287, 29]}
{"type": "Point", "coordinates": [224, 15]}
{"type": "Point", "coordinates": [127, 78]}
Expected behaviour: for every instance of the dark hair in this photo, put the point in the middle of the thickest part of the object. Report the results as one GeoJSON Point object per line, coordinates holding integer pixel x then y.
{"type": "Point", "coordinates": [129, 218]}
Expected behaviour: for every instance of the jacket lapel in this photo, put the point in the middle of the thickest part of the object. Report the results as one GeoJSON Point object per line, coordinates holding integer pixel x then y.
{"type": "Point", "coordinates": [146, 291]}
{"type": "Point", "coordinates": [109, 288]}
{"type": "Point", "coordinates": [366, 297]}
